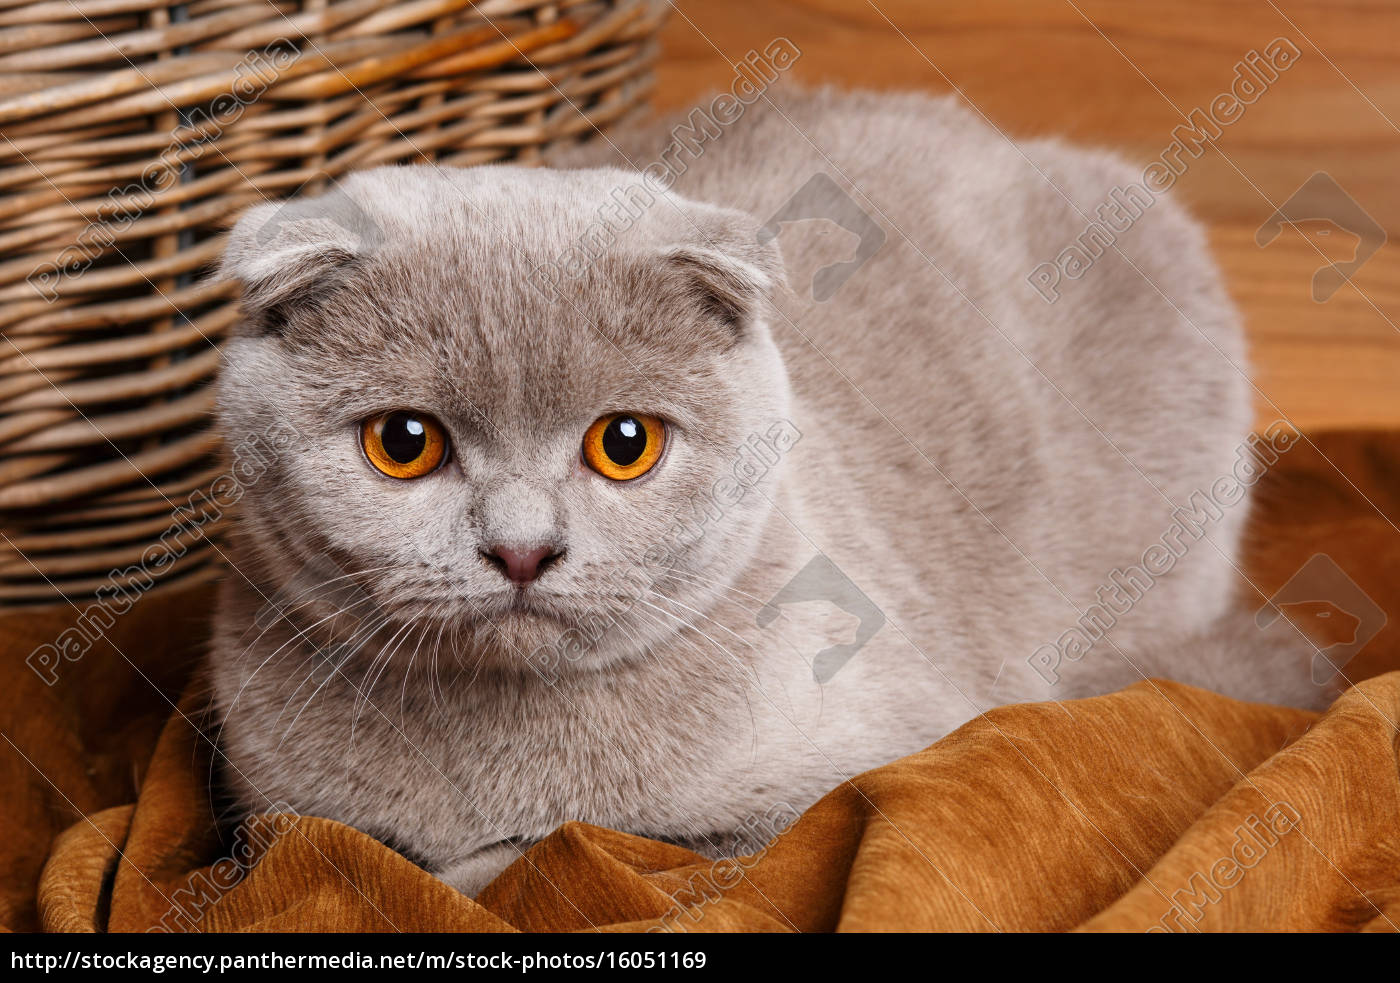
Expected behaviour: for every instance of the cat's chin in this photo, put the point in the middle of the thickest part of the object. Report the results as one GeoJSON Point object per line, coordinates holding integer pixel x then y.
{"type": "Point", "coordinates": [496, 608]}
{"type": "Point", "coordinates": [546, 644]}
{"type": "Point", "coordinates": [505, 632]}
{"type": "Point", "coordinates": [547, 635]}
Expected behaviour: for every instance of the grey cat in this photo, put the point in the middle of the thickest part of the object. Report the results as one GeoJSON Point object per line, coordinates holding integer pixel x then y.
{"type": "Point", "coordinates": [656, 508]}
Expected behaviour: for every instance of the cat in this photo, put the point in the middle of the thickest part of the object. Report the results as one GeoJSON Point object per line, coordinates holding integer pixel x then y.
{"type": "Point", "coordinates": [617, 493]}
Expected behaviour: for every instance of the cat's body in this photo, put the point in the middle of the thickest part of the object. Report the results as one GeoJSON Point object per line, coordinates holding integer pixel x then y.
{"type": "Point", "coordinates": [973, 462]}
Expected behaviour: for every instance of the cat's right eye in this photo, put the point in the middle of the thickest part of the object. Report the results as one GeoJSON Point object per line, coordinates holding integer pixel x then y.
{"type": "Point", "coordinates": [403, 443]}
{"type": "Point", "coordinates": [624, 446]}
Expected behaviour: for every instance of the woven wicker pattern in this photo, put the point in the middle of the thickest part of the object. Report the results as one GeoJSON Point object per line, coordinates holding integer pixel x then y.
{"type": "Point", "coordinates": [132, 132]}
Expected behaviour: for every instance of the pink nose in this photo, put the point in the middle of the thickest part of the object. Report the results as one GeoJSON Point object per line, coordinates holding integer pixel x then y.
{"type": "Point", "coordinates": [521, 566]}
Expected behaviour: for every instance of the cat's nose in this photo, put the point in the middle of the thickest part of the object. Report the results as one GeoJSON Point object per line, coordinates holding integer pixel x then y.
{"type": "Point", "coordinates": [521, 566]}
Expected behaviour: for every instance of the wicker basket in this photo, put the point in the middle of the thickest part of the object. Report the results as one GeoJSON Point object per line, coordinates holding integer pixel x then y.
{"type": "Point", "coordinates": [131, 134]}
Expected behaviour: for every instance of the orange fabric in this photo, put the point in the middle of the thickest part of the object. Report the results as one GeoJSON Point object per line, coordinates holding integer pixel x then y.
{"type": "Point", "coordinates": [1160, 806]}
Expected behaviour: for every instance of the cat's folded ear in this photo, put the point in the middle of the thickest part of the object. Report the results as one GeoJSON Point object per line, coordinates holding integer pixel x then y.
{"type": "Point", "coordinates": [290, 253]}
{"type": "Point", "coordinates": [722, 267]}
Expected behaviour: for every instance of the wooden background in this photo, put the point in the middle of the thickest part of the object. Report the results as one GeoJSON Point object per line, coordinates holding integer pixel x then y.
{"type": "Point", "coordinates": [1122, 74]}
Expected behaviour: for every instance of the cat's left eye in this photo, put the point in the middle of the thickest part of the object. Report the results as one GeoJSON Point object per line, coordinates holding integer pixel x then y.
{"type": "Point", "coordinates": [624, 446]}
{"type": "Point", "coordinates": [403, 443]}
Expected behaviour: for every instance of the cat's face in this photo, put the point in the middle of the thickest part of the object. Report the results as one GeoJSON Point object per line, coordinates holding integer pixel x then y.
{"type": "Point", "coordinates": [521, 467]}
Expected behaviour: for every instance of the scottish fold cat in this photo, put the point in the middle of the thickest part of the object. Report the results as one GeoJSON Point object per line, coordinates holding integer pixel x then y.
{"type": "Point", "coordinates": [728, 458]}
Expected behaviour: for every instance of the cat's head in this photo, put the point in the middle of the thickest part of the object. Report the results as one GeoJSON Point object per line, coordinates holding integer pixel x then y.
{"type": "Point", "coordinates": [522, 401]}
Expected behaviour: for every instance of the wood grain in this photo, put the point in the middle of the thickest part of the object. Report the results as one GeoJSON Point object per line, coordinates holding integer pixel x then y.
{"type": "Point", "coordinates": [1123, 75]}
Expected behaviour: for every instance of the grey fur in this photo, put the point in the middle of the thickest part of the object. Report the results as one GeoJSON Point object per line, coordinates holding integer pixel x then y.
{"type": "Point", "coordinates": [937, 468]}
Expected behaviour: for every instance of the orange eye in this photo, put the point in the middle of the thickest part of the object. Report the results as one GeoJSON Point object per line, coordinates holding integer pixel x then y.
{"type": "Point", "coordinates": [624, 446]}
{"type": "Point", "coordinates": [403, 444]}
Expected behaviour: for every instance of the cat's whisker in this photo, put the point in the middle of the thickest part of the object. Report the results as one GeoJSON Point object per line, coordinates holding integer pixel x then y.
{"type": "Point", "coordinates": [680, 636]}
{"type": "Point", "coordinates": [335, 671]}
{"type": "Point", "coordinates": [408, 671]}
{"type": "Point", "coordinates": [436, 682]}
{"type": "Point", "coordinates": [302, 633]}
{"type": "Point", "coordinates": [364, 698]}
{"type": "Point", "coordinates": [384, 654]}
{"type": "Point", "coordinates": [433, 682]}
{"type": "Point", "coordinates": [480, 659]}
{"type": "Point", "coordinates": [708, 582]}
{"type": "Point", "coordinates": [748, 670]}
{"type": "Point", "coordinates": [776, 627]}
{"type": "Point", "coordinates": [350, 653]}
{"type": "Point", "coordinates": [462, 668]}
{"type": "Point", "coordinates": [284, 611]}
{"type": "Point", "coordinates": [705, 583]}
{"type": "Point", "coordinates": [722, 649]}
{"type": "Point", "coordinates": [298, 635]}
{"type": "Point", "coordinates": [364, 630]}
{"type": "Point", "coordinates": [700, 614]}
{"type": "Point", "coordinates": [697, 833]}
